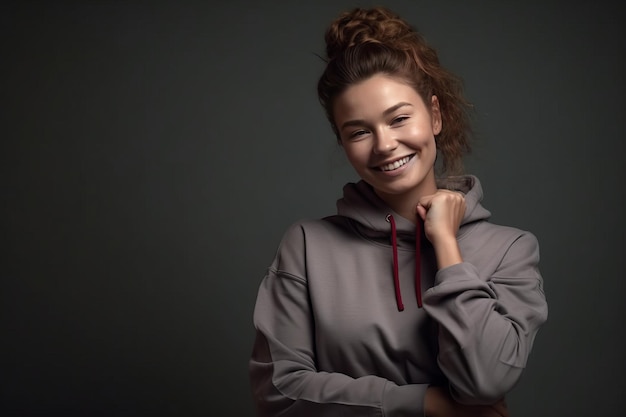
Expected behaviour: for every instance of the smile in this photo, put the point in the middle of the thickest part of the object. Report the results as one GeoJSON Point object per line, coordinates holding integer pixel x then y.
{"type": "Point", "coordinates": [395, 165]}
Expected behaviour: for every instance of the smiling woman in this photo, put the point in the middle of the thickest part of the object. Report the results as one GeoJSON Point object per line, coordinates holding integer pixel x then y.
{"type": "Point", "coordinates": [388, 134]}
{"type": "Point", "coordinates": [334, 336]}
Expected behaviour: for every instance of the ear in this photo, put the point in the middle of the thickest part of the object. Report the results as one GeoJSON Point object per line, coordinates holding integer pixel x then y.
{"type": "Point", "coordinates": [435, 112]}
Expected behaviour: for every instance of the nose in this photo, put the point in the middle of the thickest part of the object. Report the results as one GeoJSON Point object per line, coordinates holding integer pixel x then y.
{"type": "Point", "coordinates": [385, 142]}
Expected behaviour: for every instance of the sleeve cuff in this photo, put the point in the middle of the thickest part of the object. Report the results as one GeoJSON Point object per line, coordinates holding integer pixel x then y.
{"type": "Point", "coordinates": [404, 400]}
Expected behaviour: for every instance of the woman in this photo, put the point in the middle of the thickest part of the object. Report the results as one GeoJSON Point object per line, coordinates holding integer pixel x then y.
{"type": "Point", "coordinates": [408, 302]}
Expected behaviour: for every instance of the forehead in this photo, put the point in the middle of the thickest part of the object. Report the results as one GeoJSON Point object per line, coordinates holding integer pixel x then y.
{"type": "Point", "coordinates": [373, 96]}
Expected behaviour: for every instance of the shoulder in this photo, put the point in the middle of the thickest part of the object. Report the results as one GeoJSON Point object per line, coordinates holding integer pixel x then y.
{"type": "Point", "coordinates": [307, 237]}
{"type": "Point", "coordinates": [512, 237]}
{"type": "Point", "coordinates": [310, 229]}
{"type": "Point", "coordinates": [497, 246]}
{"type": "Point", "coordinates": [500, 235]}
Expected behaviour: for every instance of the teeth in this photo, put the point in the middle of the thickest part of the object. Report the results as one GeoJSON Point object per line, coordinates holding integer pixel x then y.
{"type": "Point", "coordinates": [395, 165]}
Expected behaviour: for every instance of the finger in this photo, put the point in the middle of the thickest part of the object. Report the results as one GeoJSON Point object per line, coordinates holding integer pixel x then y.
{"type": "Point", "coordinates": [421, 211]}
{"type": "Point", "coordinates": [457, 195]}
{"type": "Point", "coordinates": [426, 200]}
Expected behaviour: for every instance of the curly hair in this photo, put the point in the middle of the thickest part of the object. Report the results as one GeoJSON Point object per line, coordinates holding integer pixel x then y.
{"type": "Point", "coordinates": [364, 42]}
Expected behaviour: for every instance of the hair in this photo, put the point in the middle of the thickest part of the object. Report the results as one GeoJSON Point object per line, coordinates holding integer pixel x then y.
{"type": "Point", "coordinates": [364, 42]}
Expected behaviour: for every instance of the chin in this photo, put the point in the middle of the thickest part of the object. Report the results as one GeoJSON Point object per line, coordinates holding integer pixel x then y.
{"type": "Point", "coordinates": [395, 189]}
{"type": "Point", "coordinates": [405, 185]}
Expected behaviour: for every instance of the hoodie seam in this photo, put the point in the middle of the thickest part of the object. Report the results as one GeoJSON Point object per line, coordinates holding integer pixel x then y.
{"type": "Point", "coordinates": [508, 249]}
{"type": "Point", "coordinates": [288, 275]}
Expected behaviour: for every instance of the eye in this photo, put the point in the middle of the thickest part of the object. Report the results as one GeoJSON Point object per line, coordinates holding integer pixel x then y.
{"type": "Point", "coordinates": [399, 120]}
{"type": "Point", "coordinates": [357, 133]}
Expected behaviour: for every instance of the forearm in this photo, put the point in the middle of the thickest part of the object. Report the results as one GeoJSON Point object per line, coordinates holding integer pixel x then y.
{"type": "Point", "coordinates": [284, 370]}
{"type": "Point", "coordinates": [482, 347]}
{"type": "Point", "coordinates": [290, 387]}
{"type": "Point", "coordinates": [439, 403]}
{"type": "Point", "coordinates": [447, 252]}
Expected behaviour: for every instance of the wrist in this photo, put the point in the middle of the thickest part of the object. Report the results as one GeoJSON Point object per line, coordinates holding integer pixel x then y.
{"type": "Point", "coordinates": [447, 252]}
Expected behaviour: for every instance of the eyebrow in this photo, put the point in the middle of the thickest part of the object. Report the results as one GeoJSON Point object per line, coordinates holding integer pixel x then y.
{"type": "Point", "coordinates": [385, 113]}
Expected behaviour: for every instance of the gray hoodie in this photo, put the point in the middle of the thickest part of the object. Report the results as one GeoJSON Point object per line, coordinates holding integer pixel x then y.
{"type": "Point", "coordinates": [338, 335]}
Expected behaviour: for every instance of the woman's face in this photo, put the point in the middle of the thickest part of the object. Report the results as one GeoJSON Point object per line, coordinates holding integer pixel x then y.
{"type": "Point", "coordinates": [388, 134]}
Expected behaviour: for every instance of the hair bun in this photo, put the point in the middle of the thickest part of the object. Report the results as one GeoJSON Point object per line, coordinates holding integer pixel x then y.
{"type": "Point", "coordinates": [359, 26]}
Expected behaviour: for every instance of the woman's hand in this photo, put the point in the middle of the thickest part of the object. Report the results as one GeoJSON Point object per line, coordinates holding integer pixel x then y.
{"type": "Point", "coordinates": [442, 213]}
{"type": "Point", "coordinates": [439, 403]}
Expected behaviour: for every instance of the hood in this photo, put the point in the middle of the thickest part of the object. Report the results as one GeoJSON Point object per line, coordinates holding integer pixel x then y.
{"type": "Point", "coordinates": [374, 219]}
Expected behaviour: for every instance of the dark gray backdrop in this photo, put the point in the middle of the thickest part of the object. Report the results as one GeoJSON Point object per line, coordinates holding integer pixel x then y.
{"type": "Point", "coordinates": [154, 152]}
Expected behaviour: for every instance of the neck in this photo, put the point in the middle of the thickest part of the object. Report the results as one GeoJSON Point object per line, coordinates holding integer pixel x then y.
{"type": "Point", "coordinates": [405, 204]}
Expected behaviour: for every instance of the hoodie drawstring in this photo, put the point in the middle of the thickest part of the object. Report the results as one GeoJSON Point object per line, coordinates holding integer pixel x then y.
{"type": "Point", "coordinates": [418, 263]}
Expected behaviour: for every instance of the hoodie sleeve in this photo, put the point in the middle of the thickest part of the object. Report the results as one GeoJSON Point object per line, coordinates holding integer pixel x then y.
{"type": "Point", "coordinates": [487, 327]}
{"type": "Point", "coordinates": [284, 377]}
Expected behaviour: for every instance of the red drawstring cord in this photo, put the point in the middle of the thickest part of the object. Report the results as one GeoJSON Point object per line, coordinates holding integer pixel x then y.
{"type": "Point", "coordinates": [418, 263]}
{"type": "Point", "coordinates": [396, 279]}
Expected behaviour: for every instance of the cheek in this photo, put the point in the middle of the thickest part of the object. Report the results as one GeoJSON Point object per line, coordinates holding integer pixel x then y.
{"type": "Point", "coordinates": [357, 155]}
{"type": "Point", "coordinates": [421, 136]}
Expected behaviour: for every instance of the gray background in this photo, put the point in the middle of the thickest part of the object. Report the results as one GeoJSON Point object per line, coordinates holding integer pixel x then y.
{"type": "Point", "coordinates": [153, 153]}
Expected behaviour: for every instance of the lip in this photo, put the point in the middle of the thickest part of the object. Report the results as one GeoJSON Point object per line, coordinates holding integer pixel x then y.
{"type": "Point", "coordinates": [395, 172]}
